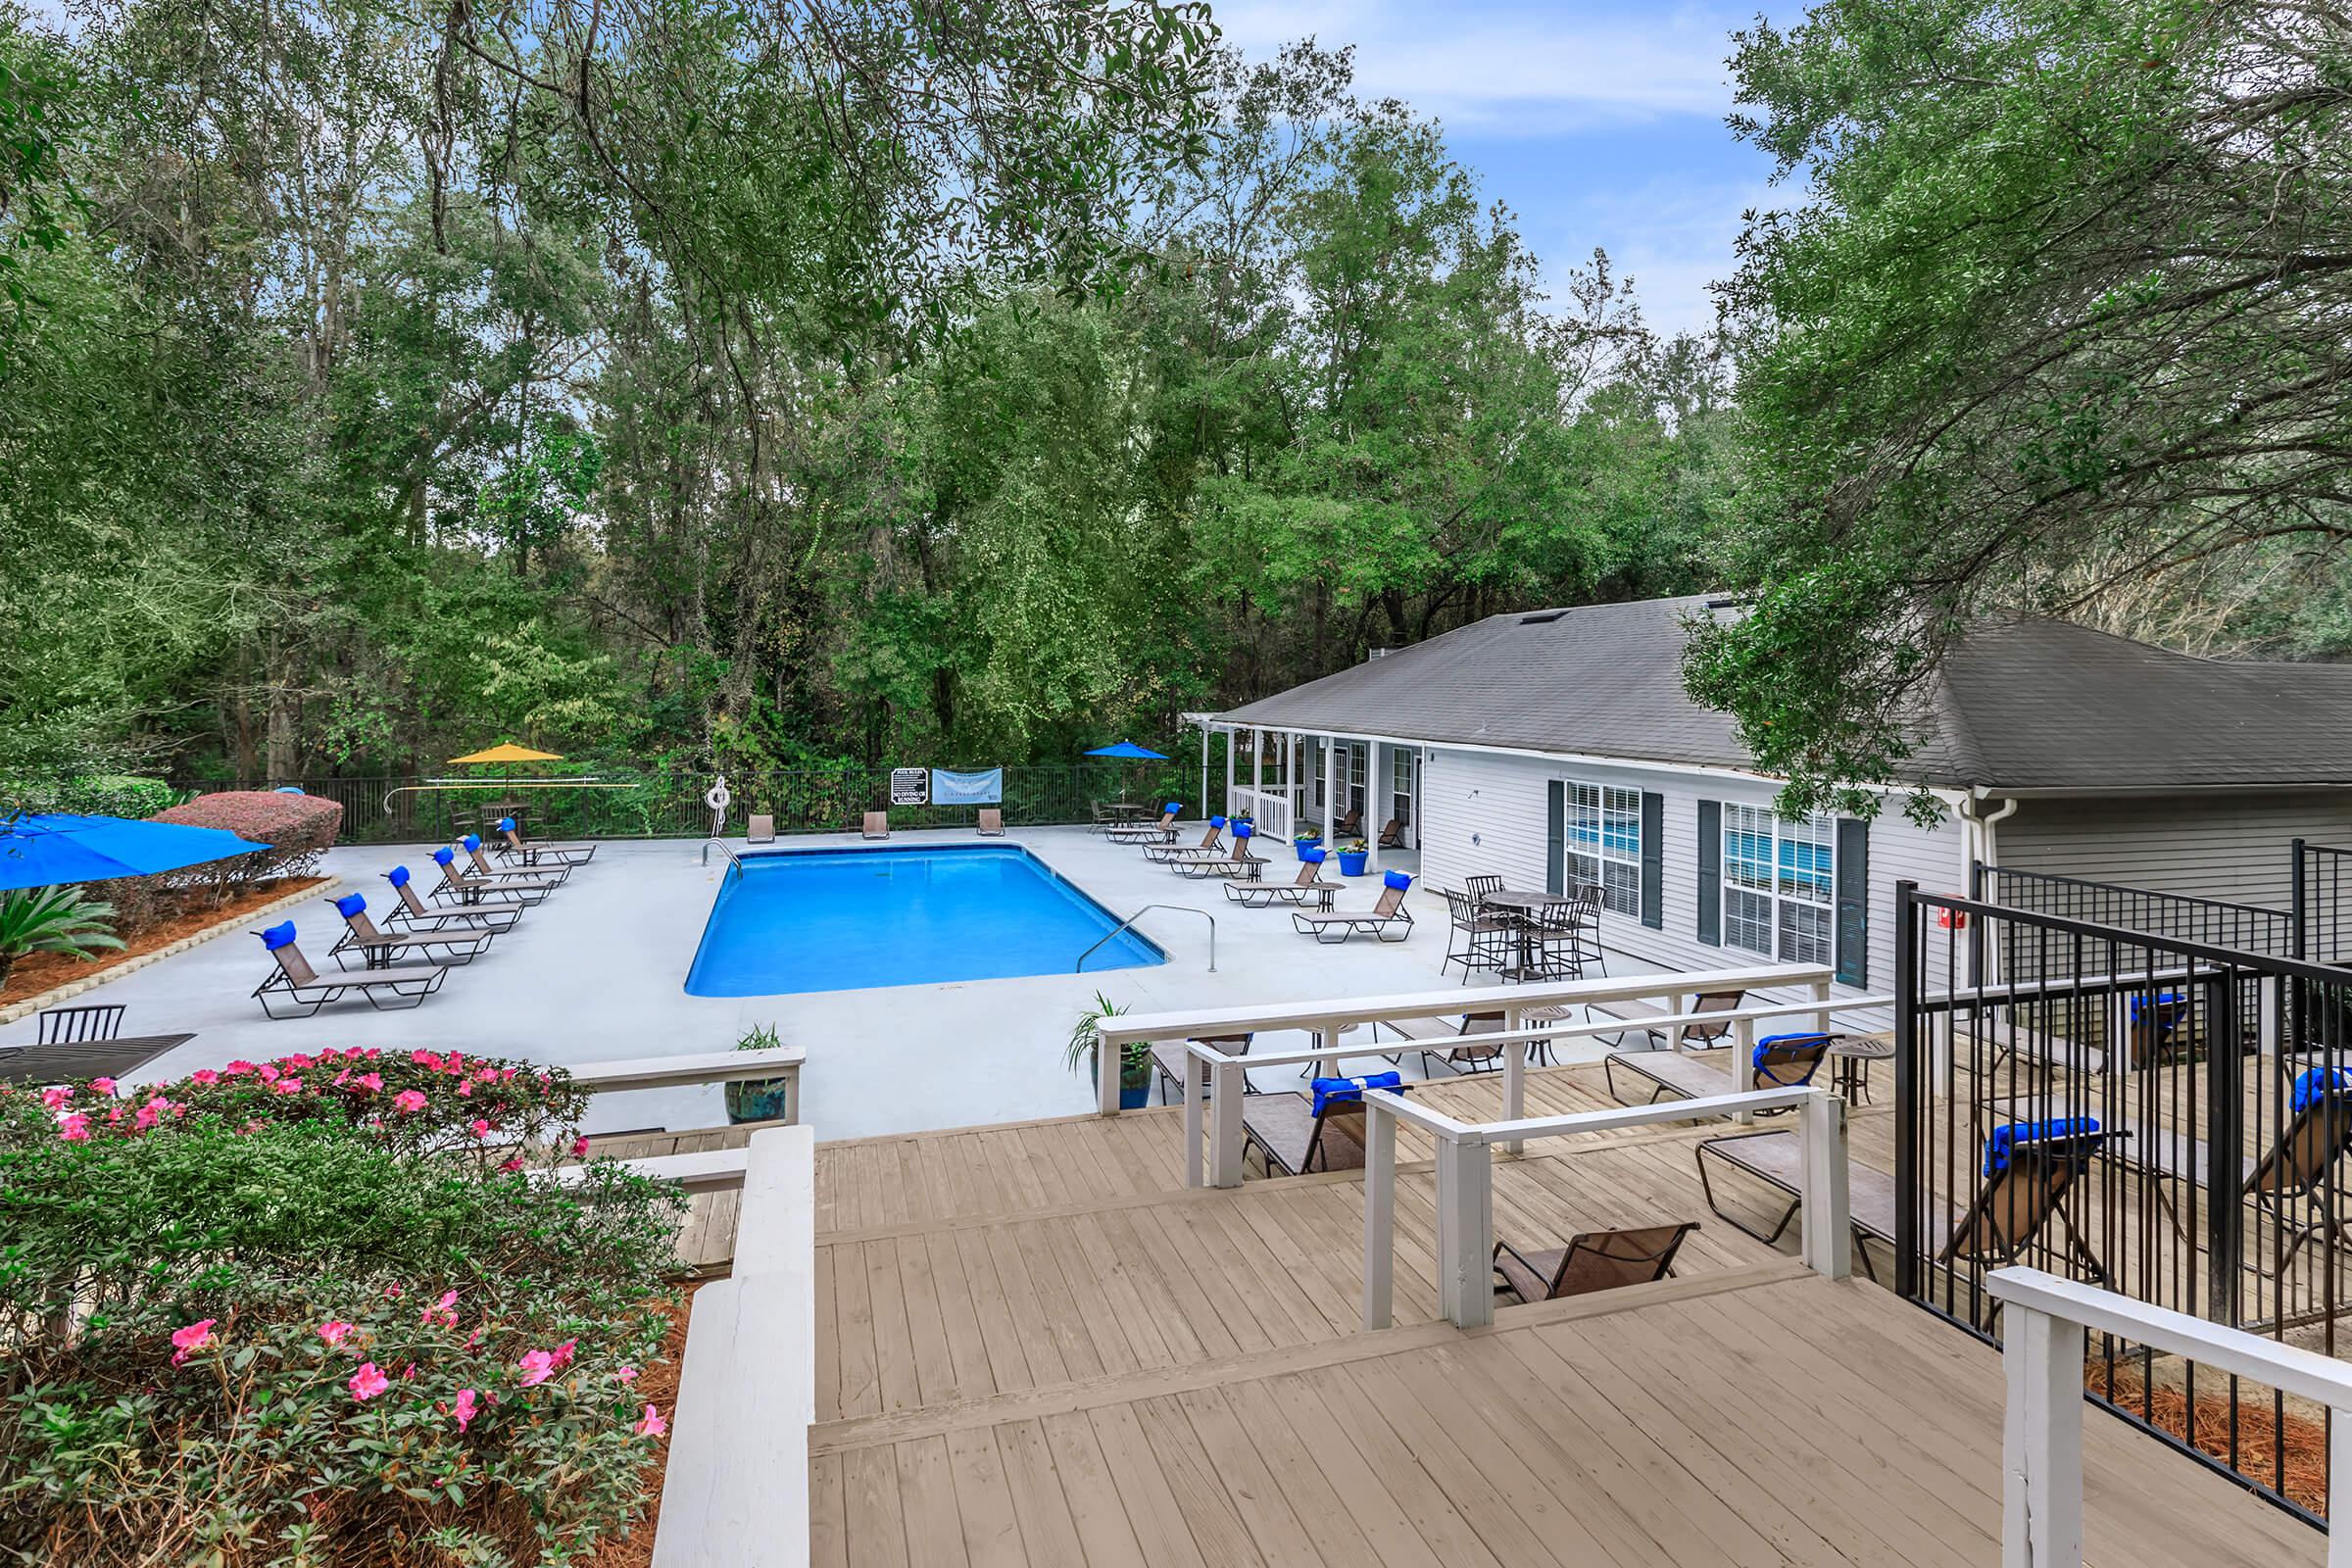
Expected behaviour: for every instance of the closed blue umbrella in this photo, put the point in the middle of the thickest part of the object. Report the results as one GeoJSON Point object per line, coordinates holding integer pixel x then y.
{"type": "Point", "coordinates": [1130, 751]}
{"type": "Point", "coordinates": [52, 848]}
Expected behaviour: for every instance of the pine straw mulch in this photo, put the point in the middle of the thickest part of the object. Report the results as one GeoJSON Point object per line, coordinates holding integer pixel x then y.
{"type": "Point", "coordinates": [195, 914]}
{"type": "Point", "coordinates": [2255, 1429]}
{"type": "Point", "coordinates": [657, 1385]}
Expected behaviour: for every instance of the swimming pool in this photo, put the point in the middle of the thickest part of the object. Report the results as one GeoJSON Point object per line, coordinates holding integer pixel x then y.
{"type": "Point", "coordinates": [847, 920]}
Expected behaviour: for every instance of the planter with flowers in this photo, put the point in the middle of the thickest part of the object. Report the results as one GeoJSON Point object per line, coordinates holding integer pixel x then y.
{"type": "Point", "coordinates": [1354, 857]}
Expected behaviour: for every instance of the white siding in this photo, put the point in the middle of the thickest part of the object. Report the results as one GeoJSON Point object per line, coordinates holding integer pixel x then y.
{"type": "Point", "coordinates": [1483, 813]}
{"type": "Point", "coordinates": [2231, 847]}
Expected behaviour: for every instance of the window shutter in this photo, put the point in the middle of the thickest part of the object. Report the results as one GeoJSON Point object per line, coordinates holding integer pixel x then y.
{"type": "Point", "coordinates": [1654, 860]}
{"type": "Point", "coordinates": [1853, 902]}
{"type": "Point", "coordinates": [1710, 872]}
{"type": "Point", "coordinates": [1555, 845]}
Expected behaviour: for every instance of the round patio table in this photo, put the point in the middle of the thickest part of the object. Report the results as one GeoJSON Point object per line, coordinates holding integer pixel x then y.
{"type": "Point", "coordinates": [1850, 1056]}
{"type": "Point", "coordinates": [1524, 904]}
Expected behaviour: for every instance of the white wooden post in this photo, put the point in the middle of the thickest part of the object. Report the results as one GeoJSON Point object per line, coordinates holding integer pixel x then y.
{"type": "Point", "coordinates": [1106, 1075]}
{"type": "Point", "coordinates": [2339, 1488]}
{"type": "Point", "coordinates": [1465, 1233]}
{"type": "Point", "coordinates": [1828, 1216]}
{"type": "Point", "coordinates": [1225, 1125]}
{"type": "Point", "coordinates": [1230, 779]}
{"type": "Point", "coordinates": [1327, 1036]}
{"type": "Point", "coordinates": [1207, 809]}
{"type": "Point", "coordinates": [1376, 797]}
{"type": "Point", "coordinates": [1741, 1064]}
{"type": "Point", "coordinates": [1514, 1080]}
{"type": "Point", "coordinates": [1380, 1218]}
{"type": "Point", "coordinates": [1821, 1019]}
{"type": "Point", "coordinates": [2042, 1441]}
{"type": "Point", "coordinates": [1331, 789]}
{"type": "Point", "coordinates": [1195, 1086]}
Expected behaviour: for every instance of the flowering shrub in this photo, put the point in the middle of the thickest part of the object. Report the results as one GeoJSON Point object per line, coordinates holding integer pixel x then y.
{"type": "Point", "coordinates": [298, 828]}
{"type": "Point", "coordinates": [246, 1325]}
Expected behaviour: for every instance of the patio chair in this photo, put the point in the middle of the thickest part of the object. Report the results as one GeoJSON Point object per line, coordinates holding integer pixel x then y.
{"type": "Point", "coordinates": [1455, 1058]}
{"type": "Point", "coordinates": [1389, 914]}
{"type": "Point", "coordinates": [376, 948]}
{"type": "Point", "coordinates": [456, 884]}
{"type": "Point", "coordinates": [1308, 884]}
{"type": "Point", "coordinates": [1162, 831]}
{"type": "Point", "coordinates": [1690, 1036]}
{"type": "Point", "coordinates": [2299, 1168]}
{"type": "Point", "coordinates": [1392, 837]}
{"type": "Point", "coordinates": [1350, 825]}
{"type": "Point", "coordinates": [2028, 1169]}
{"type": "Point", "coordinates": [295, 981]}
{"type": "Point", "coordinates": [1478, 887]}
{"type": "Point", "coordinates": [877, 825]}
{"type": "Point", "coordinates": [479, 866]}
{"type": "Point", "coordinates": [1211, 845]}
{"type": "Point", "coordinates": [760, 829]}
{"type": "Point", "coordinates": [1238, 865]}
{"type": "Point", "coordinates": [483, 915]}
{"type": "Point", "coordinates": [1476, 939]}
{"type": "Point", "coordinates": [991, 824]}
{"type": "Point", "coordinates": [1777, 1061]}
{"type": "Point", "coordinates": [72, 1026]}
{"type": "Point", "coordinates": [1594, 1261]}
{"type": "Point", "coordinates": [1322, 1129]}
{"type": "Point", "coordinates": [516, 847]}
{"type": "Point", "coordinates": [1169, 1059]}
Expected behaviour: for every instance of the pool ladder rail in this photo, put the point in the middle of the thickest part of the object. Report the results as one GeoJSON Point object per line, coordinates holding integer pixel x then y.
{"type": "Point", "coordinates": [736, 861]}
{"type": "Point", "coordinates": [1180, 909]}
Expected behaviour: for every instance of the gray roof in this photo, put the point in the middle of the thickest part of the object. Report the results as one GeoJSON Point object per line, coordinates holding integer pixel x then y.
{"type": "Point", "coordinates": [2021, 703]}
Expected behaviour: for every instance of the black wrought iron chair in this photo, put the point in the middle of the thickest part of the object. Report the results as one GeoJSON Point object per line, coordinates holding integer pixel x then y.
{"type": "Point", "coordinates": [65, 1026]}
{"type": "Point", "coordinates": [1478, 939]}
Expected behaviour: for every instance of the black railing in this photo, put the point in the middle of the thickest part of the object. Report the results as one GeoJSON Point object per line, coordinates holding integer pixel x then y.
{"type": "Point", "coordinates": [2322, 902]}
{"type": "Point", "coordinates": [2161, 1116]}
{"type": "Point", "coordinates": [2177, 916]}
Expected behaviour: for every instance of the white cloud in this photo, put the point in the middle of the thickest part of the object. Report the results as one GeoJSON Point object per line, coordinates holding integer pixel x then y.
{"type": "Point", "coordinates": [1672, 238]}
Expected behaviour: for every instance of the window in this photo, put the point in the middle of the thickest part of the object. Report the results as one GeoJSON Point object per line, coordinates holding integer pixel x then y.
{"type": "Point", "coordinates": [1604, 845]}
{"type": "Point", "coordinates": [1778, 884]}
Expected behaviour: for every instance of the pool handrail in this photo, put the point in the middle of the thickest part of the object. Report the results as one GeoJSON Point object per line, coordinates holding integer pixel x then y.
{"type": "Point", "coordinates": [721, 845]}
{"type": "Point", "coordinates": [1182, 908]}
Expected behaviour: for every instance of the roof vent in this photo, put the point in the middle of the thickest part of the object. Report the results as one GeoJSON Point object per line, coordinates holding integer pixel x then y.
{"type": "Point", "coordinates": [1542, 619]}
{"type": "Point", "coordinates": [1727, 604]}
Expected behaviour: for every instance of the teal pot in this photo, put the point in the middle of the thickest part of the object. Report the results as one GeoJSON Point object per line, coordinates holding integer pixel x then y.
{"type": "Point", "coordinates": [758, 1100]}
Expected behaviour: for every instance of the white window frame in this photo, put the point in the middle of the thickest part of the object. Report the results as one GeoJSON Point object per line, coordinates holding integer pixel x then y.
{"type": "Point", "coordinates": [1792, 917]}
{"type": "Point", "coordinates": [1620, 894]}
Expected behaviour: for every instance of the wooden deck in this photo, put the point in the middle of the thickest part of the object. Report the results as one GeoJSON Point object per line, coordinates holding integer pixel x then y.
{"type": "Point", "coordinates": [1035, 1347]}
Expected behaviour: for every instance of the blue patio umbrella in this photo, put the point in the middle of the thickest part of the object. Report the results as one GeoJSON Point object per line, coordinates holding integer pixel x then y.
{"type": "Point", "coordinates": [50, 849]}
{"type": "Point", "coordinates": [1129, 750]}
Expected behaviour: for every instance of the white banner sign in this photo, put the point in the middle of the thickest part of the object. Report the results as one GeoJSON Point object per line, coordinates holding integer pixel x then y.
{"type": "Point", "coordinates": [983, 787]}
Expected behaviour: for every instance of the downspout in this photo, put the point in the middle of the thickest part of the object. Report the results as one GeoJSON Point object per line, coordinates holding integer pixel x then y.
{"type": "Point", "coordinates": [1979, 844]}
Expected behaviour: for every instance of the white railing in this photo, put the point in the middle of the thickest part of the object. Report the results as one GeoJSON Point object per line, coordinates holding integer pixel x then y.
{"type": "Point", "coordinates": [1325, 1020]}
{"type": "Point", "coordinates": [1270, 812]}
{"type": "Point", "coordinates": [782, 1062]}
{"type": "Point", "coordinates": [1465, 1197]}
{"type": "Point", "coordinates": [2043, 1338]}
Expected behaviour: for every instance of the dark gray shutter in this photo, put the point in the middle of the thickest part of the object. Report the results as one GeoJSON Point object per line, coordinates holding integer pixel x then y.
{"type": "Point", "coordinates": [1556, 838]}
{"type": "Point", "coordinates": [1654, 860]}
{"type": "Point", "coordinates": [1853, 902]}
{"type": "Point", "coordinates": [1710, 872]}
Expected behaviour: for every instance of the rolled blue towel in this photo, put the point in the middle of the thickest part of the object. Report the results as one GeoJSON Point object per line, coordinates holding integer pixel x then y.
{"type": "Point", "coordinates": [2006, 1138]}
{"type": "Point", "coordinates": [1328, 1090]}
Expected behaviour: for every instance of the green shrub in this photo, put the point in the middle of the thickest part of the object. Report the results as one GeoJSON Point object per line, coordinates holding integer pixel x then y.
{"type": "Point", "coordinates": [51, 920]}
{"type": "Point", "coordinates": [115, 795]}
{"type": "Point", "coordinates": [244, 1326]}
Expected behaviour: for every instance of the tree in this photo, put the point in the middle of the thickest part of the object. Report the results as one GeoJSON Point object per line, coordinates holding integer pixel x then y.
{"type": "Point", "coordinates": [2062, 314]}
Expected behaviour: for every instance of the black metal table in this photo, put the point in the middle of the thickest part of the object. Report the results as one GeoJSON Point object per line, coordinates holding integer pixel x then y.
{"type": "Point", "coordinates": [1521, 906]}
{"type": "Point", "coordinates": [118, 1058]}
{"type": "Point", "coordinates": [1850, 1056]}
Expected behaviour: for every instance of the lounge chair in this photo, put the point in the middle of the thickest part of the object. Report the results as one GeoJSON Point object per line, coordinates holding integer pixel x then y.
{"type": "Point", "coordinates": [296, 981]}
{"type": "Point", "coordinates": [1777, 1061]}
{"type": "Point", "coordinates": [1690, 1036]}
{"type": "Point", "coordinates": [2028, 1169]}
{"type": "Point", "coordinates": [1168, 1057]}
{"type": "Point", "coordinates": [760, 829]}
{"type": "Point", "coordinates": [1776, 1159]}
{"type": "Point", "coordinates": [1237, 863]}
{"type": "Point", "coordinates": [1430, 1033]}
{"type": "Point", "coordinates": [1322, 1130]}
{"type": "Point", "coordinates": [1392, 837]}
{"type": "Point", "coordinates": [877, 825]}
{"type": "Point", "coordinates": [456, 884]}
{"type": "Point", "coordinates": [1595, 1261]}
{"type": "Point", "coordinates": [377, 948]}
{"type": "Point", "coordinates": [1162, 831]}
{"type": "Point", "coordinates": [479, 866]}
{"type": "Point", "coordinates": [1350, 825]}
{"type": "Point", "coordinates": [1382, 919]}
{"type": "Point", "coordinates": [991, 822]}
{"type": "Point", "coordinates": [483, 915]}
{"type": "Point", "coordinates": [515, 846]}
{"type": "Point", "coordinates": [1211, 846]}
{"type": "Point", "coordinates": [1307, 885]}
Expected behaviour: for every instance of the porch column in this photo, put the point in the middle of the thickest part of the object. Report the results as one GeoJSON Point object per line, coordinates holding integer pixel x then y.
{"type": "Point", "coordinates": [1207, 810]}
{"type": "Point", "coordinates": [1229, 775]}
{"type": "Point", "coordinates": [1331, 788]}
{"type": "Point", "coordinates": [1377, 763]}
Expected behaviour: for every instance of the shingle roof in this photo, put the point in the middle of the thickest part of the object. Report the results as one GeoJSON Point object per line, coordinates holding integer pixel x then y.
{"type": "Point", "coordinates": [2022, 702]}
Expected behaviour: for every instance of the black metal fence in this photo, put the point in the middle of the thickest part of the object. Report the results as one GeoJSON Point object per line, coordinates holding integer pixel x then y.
{"type": "Point", "coordinates": [407, 810]}
{"type": "Point", "coordinates": [2322, 902]}
{"type": "Point", "coordinates": [2179, 917]}
{"type": "Point", "coordinates": [2160, 1116]}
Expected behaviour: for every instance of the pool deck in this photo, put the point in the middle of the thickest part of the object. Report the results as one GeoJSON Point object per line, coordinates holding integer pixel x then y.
{"type": "Point", "coordinates": [597, 973]}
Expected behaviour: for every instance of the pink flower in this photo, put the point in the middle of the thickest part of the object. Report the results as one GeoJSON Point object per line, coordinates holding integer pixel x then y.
{"type": "Point", "coordinates": [479, 1127]}
{"type": "Point", "coordinates": [564, 1353]}
{"type": "Point", "coordinates": [425, 1058]}
{"type": "Point", "coordinates": [465, 1090]}
{"type": "Point", "coordinates": [102, 1086]}
{"type": "Point", "coordinates": [441, 1311]}
{"type": "Point", "coordinates": [238, 1069]}
{"type": "Point", "coordinates": [391, 1293]}
{"type": "Point", "coordinates": [188, 1340]}
{"type": "Point", "coordinates": [268, 1074]}
{"type": "Point", "coordinates": [512, 1165]}
{"type": "Point", "coordinates": [55, 1097]}
{"type": "Point", "coordinates": [368, 1382]}
{"type": "Point", "coordinates": [627, 1374]}
{"type": "Point", "coordinates": [536, 1366]}
{"type": "Point", "coordinates": [651, 1424]}
{"type": "Point", "coordinates": [74, 1128]}
{"type": "Point", "coordinates": [333, 1330]}
{"type": "Point", "coordinates": [408, 1100]}
{"type": "Point", "coordinates": [296, 1061]}
{"type": "Point", "coordinates": [408, 1372]}
{"type": "Point", "coordinates": [464, 1409]}
{"type": "Point", "coordinates": [203, 1077]}
{"type": "Point", "coordinates": [369, 1081]}
{"type": "Point", "coordinates": [489, 1075]}
{"type": "Point", "coordinates": [579, 1146]}
{"type": "Point", "coordinates": [149, 1113]}
{"type": "Point", "coordinates": [287, 1086]}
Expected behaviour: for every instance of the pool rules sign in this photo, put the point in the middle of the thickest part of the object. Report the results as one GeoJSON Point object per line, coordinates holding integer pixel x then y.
{"type": "Point", "coordinates": [911, 786]}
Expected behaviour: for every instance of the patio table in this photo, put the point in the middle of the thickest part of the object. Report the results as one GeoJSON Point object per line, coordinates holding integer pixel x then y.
{"type": "Point", "coordinates": [1523, 905]}
{"type": "Point", "coordinates": [118, 1058]}
{"type": "Point", "coordinates": [1850, 1056]}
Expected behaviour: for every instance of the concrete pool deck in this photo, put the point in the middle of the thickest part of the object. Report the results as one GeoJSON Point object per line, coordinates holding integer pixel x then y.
{"type": "Point", "coordinates": [597, 972]}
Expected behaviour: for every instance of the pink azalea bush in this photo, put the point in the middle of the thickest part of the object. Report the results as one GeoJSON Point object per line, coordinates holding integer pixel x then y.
{"type": "Point", "coordinates": [263, 1319]}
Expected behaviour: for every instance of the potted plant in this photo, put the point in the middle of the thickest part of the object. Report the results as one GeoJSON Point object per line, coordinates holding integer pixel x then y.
{"type": "Point", "coordinates": [1134, 1057]}
{"type": "Point", "coordinates": [1304, 837]}
{"type": "Point", "coordinates": [758, 1098]}
{"type": "Point", "coordinates": [1352, 855]}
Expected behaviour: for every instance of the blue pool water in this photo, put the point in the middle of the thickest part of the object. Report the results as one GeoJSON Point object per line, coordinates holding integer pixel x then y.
{"type": "Point", "coordinates": [847, 920]}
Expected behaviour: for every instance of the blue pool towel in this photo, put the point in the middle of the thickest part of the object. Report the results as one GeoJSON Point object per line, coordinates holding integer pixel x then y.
{"type": "Point", "coordinates": [1328, 1090]}
{"type": "Point", "coordinates": [1216, 823]}
{"type": "Point", "coordinates": [349, 905]}
{"type": "Point", "coordinates": [505, 825]}
{"type": "Point", "coordinates": [472, 842]}
{"type": "Point", "coordinates": [278, 935]}
{"type": "Point", "coordinates": [442, 856]}
{"type": "Point", "coordinates": [398, 876]}
{"type": "Point", "coordinates": [1173, 807]}
{"type": "Point", "coordinates": [1243, 830]}
{"type": "Point", "coordinates": [2320, 1083]}
{"type": "Point", "coordinates": [1755, 1057]}
{"type": "Point", "coordinates": [2009, 1136]}
{"type": "Point", "coordinates": [1312, 856]}
{"type": "Point", "coordinates": [1397, 879]}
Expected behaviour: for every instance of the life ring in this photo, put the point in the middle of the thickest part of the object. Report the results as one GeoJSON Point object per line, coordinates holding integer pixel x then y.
{"type": "Point", "coordinates": [716, 797]}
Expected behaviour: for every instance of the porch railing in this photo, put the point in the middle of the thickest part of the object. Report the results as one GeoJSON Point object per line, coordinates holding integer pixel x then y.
{"type": "Point", "coordinates": [2322, 902]}
{"type": "Point", "coordinates": [1270, 811]}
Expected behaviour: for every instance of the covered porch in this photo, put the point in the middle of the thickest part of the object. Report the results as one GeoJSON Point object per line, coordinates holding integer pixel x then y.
{"type": "Point", "coordinates": [1344, 787]}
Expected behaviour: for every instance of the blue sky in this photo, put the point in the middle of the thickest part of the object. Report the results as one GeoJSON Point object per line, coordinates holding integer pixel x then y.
{"type": "Point", "coordinates": [1598, 123]}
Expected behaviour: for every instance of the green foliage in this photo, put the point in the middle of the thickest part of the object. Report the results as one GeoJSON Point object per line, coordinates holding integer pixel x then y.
{"type": "Point", "coordinates": [52, 920]}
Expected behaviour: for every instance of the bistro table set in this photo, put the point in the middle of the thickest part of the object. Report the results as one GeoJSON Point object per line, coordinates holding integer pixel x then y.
{"type": "Point", "coordinates": [1525, 935]}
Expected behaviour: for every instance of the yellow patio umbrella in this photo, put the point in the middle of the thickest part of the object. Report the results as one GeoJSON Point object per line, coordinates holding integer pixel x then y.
{"type": "Point", "coordinates": [510, 753]}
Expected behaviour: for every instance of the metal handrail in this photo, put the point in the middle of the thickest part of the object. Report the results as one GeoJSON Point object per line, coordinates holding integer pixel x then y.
{"type": "Point", "coordinates": [721, 845]}
{"type": "Point", "coordinates": [1183, 909]}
